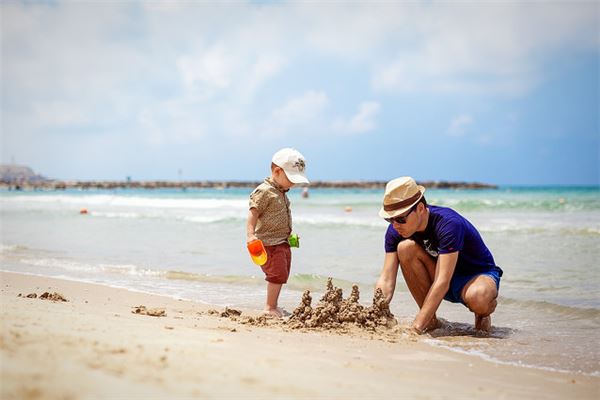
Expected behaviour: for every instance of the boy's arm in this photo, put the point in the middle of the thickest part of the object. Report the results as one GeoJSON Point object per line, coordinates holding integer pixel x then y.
{"type": "Point", "coordinates": [251, 224]}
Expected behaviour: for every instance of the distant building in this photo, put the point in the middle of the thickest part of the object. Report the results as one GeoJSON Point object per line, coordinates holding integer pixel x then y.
{"type": "Point", "coordinates": [10, 173]}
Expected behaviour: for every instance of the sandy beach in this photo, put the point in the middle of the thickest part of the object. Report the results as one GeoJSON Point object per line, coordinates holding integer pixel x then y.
{"type": "Point", "coordinates": [94, 346]}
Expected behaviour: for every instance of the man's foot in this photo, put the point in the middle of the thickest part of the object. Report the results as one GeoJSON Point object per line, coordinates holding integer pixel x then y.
{"type": "Point", "coordinates": [483, 323]}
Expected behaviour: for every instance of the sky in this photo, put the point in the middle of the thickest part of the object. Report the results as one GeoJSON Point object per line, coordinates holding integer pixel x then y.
{"type": "Point", "coordinates": [494, 92]}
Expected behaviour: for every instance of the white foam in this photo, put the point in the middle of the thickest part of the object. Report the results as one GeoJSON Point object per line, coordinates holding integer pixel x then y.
{"type": "Point", "coordinates": [69, 265]}
{"type": "Point", "coordinates": [126, 201]}
{"type": "Point", "coordinates": [489, 358]}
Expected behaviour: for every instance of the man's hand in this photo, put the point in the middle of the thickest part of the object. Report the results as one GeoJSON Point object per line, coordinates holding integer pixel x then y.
{"type": "Point", "coordinates": [444, 270]}
{"type": "Point", "coordinates": [387, 279]}
{"type": "Point", "coordinates": [418, 328]}
{"type": "Point", "coordinates": [415, 330]}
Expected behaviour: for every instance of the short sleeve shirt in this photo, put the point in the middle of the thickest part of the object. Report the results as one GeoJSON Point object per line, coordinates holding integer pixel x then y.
{"type": "Point", "coordinates": [274, 223]}
{"type": "Point", "coordinates": [448, 232]}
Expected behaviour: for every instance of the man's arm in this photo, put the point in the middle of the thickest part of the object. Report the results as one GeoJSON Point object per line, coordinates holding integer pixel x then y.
{"type": "Point", "coordinates": [251, 224]}
{"type": "Point", "coordinates": [387, 279]}
{"type": "Point", "coordinates": [444, 270]}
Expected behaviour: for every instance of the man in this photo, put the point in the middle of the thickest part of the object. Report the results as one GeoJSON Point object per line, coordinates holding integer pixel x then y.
{"type": "Point", "coordinates": [442, 256]}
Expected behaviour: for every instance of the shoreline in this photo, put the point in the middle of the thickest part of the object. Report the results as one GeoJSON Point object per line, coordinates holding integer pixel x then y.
{"type": "Point", "coordinates": [94, 346]}
{"type": "Point", "coordinates": [430, 341]}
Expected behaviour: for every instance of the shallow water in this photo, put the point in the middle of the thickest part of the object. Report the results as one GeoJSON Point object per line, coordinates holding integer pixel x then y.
{"type": "Point", "coordinates": [191, 244]}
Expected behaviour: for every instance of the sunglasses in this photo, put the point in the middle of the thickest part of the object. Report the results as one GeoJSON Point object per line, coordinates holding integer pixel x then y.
{"type": "Point", "coordinates": [402, 219]}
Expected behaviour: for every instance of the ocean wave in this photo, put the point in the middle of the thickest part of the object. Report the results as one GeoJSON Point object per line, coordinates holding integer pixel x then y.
{"type": "Point", "coordinates": [567, 201]}
{"type": "Point", "coordinates": [301, 282]}
{"type": "Point", "coordinates": [313, 282]}
{"type": "Point", "coordinates": [202, 219]}
{"type": "Point", "coordinates": [481, 354]}
{"type": "Point", "coordinates": [341, 220]}
{"type": "Point", "coordinates": [569, 312]}
{"type": "Point", "coordinates": [515, 204]}
{"type": "Point", "coordinates": [128, 201]}
{"type": "Point", "coordinates": [526, 229]}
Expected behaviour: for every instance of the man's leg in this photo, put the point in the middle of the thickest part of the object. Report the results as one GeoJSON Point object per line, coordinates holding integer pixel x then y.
{"type": "Point", "coordinates": [418, 269]}
{"type": "Point", "coordinates": [479, 294]}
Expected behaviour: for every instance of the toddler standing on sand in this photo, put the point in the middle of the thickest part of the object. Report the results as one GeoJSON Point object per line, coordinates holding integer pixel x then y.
{"type": "Point", "coordinates": [270, 220]}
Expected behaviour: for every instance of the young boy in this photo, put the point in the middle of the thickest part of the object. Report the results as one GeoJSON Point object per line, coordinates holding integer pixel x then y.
{"type": "Point", "coordinates": [270, 220]}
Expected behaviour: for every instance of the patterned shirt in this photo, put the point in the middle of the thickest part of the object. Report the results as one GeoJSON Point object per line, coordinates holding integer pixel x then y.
{"type": "Point", "coordinates": [274, 223]}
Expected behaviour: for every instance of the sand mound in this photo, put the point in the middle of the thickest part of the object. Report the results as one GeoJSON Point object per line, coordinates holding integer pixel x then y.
{"type": "Point", "coordinates": [54, 296]}
{"type": "Point", "coordinates": [153, 312]}
{"type": "Point", "coordinates": [45, 296]}
{"type": "Point", "coordinates": [230, 312]}
{"type": "Point", "coordinates": [334, 312]}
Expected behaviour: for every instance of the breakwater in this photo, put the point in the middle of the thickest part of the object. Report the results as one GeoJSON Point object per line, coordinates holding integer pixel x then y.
{"type": "Point", "coordinates": [163, 184]}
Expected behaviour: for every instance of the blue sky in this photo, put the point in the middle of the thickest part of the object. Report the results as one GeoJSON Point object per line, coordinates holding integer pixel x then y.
{"type": "Point", "coordinates": [504, 93]}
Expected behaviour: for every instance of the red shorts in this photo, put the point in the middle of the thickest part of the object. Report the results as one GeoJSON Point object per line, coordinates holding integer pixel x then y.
{"type": "Point", "coordinates": [279, 262]}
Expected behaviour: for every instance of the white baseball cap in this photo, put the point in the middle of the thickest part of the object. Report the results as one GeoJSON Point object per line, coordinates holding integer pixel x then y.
{"type": "Point", "coordinates": [292, 163]}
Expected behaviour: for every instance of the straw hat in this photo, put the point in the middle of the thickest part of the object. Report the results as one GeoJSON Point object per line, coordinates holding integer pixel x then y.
{"type": "Point", "coordinates": [400, 195]}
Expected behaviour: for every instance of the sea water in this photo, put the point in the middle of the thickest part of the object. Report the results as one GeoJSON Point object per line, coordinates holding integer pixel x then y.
{"type": "Point", "coordinates": [191, 244]}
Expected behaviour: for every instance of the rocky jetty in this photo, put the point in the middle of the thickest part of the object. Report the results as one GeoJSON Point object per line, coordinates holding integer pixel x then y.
{"type": "Point", "coordinates": [23, 178]}
{"type": "Point", "coordinates": [61, 185]}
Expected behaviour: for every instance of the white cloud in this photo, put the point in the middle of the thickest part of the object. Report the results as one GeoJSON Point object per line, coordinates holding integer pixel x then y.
{"type": "Point", "coordinates": [297, 113]}
{"type": "Point", "coordinates": [184, 72]}
{"type": "Point", "coordinates": [212, 68]}
{"type": "Point", "coordinates": [497, 48]}
{"type": "Point", "coordinates": [363, 121]}
{"type": "Point", "coordinates": [265, 67]}
{"type": "Point", "coordinates": [459, 125]}
{"type": "Point", "coordinates": [59, 114]}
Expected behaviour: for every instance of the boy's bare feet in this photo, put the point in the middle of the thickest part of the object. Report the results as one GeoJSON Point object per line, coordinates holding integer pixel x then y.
{"type": "Point", "coordinates": [483, 323]}
{"type": "Point", "coordinates": [275, 312]}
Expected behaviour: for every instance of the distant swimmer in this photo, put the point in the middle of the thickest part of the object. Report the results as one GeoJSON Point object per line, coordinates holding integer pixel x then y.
{"type": "Point", "coordinates": [83, 211]}
{"type": "Point", "coordinates": [305, 193]}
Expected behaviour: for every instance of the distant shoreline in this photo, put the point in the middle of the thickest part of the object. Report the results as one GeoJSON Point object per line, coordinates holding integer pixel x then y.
{"type": "Point", "coordinates": [163, 184]}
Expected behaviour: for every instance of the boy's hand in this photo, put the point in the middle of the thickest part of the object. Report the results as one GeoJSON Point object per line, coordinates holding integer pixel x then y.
{"type": "Point", "coordinates": [251, 238]}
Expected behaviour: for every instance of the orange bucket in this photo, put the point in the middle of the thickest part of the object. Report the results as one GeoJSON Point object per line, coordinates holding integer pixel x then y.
{"type": "Point", "coordinates": [257, 252]}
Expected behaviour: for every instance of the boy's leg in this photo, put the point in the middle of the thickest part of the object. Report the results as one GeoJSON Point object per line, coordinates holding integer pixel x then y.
{"type": "Point", "coordinates": [273, 290]}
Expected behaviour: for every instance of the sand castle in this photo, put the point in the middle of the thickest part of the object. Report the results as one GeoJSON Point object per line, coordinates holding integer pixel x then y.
{"type": "Point", "coordinates": [333, 311]}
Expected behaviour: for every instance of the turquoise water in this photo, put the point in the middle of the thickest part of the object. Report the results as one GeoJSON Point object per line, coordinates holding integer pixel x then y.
{"type": "Point", "coordinates": [191, 244]}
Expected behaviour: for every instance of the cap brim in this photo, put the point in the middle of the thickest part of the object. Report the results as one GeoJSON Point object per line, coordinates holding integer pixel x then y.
{"type": "Point", "coordinates": [296, 177]}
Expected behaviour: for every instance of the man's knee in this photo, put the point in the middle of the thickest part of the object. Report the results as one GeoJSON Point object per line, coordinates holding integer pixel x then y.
{"type": "Point", "coordinates": [407, 249]}
{"type": "Point", "coordinates": [480, 297]}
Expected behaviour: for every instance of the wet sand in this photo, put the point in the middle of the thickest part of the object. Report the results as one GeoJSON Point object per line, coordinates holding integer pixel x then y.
{"type": "Point", "coordinates": [104, 342]}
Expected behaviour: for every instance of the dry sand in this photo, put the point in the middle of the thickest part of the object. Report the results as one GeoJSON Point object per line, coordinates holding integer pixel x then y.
{"type": "Point", "coordinates": [112, 343]}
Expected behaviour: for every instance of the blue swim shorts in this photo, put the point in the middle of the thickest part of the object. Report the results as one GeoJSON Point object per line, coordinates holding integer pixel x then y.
{"type": "Point", "coordinates": [458, 282]}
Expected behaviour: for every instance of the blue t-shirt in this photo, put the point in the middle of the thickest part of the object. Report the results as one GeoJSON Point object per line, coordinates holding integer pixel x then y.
{"type": "Point", "coordinates": [447, 232]}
